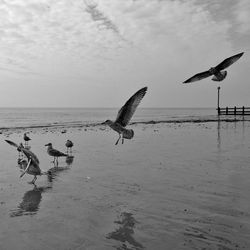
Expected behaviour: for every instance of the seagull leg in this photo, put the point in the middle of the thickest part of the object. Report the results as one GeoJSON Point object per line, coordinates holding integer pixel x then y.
{"type": "Point", "coordinates": [118, 139]}
{"type": "Point", "coordinates": [122, 139]}
{"type": "Point", "coordinates": [33, 181]}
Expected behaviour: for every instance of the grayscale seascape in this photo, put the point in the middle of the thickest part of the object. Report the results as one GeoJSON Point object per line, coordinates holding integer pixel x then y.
{"type": "Point", "coordinates": [124, 125]}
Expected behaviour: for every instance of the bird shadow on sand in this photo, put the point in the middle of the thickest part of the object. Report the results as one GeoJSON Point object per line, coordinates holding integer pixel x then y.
{"type": "Point", "coordinates": [125, 233]}
{"type": "Point", "coordinates": [30, 202]}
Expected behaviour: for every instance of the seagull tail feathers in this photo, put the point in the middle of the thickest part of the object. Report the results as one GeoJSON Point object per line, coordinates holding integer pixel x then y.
{"type": "Point", "coordinates": [129, 134]}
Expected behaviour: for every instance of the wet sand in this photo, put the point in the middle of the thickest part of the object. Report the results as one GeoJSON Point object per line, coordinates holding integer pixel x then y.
{"type": "Point", "coordinates": [174, 186]}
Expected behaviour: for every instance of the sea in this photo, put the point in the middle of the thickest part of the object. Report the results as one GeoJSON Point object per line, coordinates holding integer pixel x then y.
{"type": "Point", "coordinates": [11, 118]}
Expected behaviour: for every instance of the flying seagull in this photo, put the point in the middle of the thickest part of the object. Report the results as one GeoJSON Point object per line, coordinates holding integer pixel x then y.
{"type": "Point", "coordinates": [125, 114]}
{"type": "Point", "coordinates": [31, 166]}
{"type": "Point", "coordinates": [54, 152]}
{"type": "Point", "coordinates": [217, 71]}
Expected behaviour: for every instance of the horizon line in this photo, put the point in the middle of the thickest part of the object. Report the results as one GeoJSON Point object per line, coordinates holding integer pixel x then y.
{"type": "Point", "coordinates": [51, 107]}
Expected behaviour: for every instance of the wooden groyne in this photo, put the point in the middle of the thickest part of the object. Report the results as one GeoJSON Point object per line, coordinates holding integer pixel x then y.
{"type": "Point", "coordinates": [234, 111]}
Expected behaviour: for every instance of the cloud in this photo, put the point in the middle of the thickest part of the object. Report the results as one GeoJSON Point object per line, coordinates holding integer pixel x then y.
{"type": "Point", "coordinates": [107, 28]}
{"type": "Point", "coordinates": [100, 18]}
{"type": "Point", "coordinates": [242, 14]}
{"type": "Point", "coordinates": [114, 44]}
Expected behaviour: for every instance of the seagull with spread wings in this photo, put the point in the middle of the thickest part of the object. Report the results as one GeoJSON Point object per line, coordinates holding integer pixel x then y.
{"type": "Point", "coordinates": [125, 114]}
{"type": "Point", "coordinates": [217, 71]}
{"type": "Point", "coordinates": [31, 166]}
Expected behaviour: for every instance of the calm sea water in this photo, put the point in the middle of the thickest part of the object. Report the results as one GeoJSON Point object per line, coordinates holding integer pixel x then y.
{"type": "Point", "coordinates": [28, 117]}
{"type": "Point", "coordinates": [54, 117]}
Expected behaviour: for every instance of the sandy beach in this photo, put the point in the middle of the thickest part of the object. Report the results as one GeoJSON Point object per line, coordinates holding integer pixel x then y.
{"type": "Point", "coordinates": [173, 186]}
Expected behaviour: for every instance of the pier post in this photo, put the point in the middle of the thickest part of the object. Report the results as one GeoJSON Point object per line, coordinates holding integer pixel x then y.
{"type": "Point", "coordinates": [218, 100]}
{"type": "Point", "coordinates": [243, 110]}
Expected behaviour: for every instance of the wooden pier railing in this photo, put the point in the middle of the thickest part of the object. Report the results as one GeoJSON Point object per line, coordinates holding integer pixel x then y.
{"type": "Point", "coordinates": [234, 111]}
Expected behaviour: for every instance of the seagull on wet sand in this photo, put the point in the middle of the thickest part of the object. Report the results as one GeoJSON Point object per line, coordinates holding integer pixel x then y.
{"type": "Point", "coordinates": [26, 139]}
{"type": "Point", "coordinates": [31, 166]}
{"type": "Point", "coordinates": [54, 152]}
{"type": "Point", "coordinates": [217, 71]}
{"type": "Point", "coordinates": [69, 144]}
{"type": "Point", "coordinates": [125, 114]}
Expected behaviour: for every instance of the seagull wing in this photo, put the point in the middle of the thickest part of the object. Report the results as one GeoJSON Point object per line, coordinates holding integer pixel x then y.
{"type": "Point", "coordinates": [32, 156]}
{"type": "Point", "coordinates": [126, 112]}
{"type": "Point", "coordinates": [12, 143]}
{"type": "Point", "coordinates": [56, 152]}
{"type": "Point", "coordinates": [198, 77]}
{"type": "Point", "coordinates": [26, 169]}
{"type": "Point", "coordinates": [229, 61]}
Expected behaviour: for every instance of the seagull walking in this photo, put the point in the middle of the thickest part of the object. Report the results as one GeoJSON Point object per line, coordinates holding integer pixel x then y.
{"type": "Point", "coordinates": [54, 152]}
{"type": "Point", "coordinates": [29, 166]}
{"type": "Point", "coordinates": [69, 144]}
{"type": "Point", "coordinates": [125, 114]}
{"type": "Point", "coordinates": [217, 71]}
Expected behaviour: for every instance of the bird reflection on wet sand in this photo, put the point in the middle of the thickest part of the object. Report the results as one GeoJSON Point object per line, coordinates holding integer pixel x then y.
{"type": "Point", "coordinates": [56, 169]}
{"type": "Point", "coordinates": [30, 203]}
{"type": "Point", "coordinates": [69, 160]}
{"type": "Point", "coordinates": [125, 232]}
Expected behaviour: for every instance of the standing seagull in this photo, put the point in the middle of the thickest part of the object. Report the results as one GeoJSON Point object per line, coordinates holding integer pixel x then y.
{"type": "Point", "coordinates": [53, 152]}
{"type": "Point", "coordinates": [26, 139]}
{"type": "Point", "coordinates": [217, 71]}
{"type": "Point", "coordinates": [31, 166]}
{"type": "Point", "coordinates": [69, 144]}
{"type": "Point", "coordinates": [125, 114]}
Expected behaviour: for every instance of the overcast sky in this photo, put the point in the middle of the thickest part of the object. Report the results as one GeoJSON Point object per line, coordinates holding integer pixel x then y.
{"type": "Point", "coordinates": [76, 53]}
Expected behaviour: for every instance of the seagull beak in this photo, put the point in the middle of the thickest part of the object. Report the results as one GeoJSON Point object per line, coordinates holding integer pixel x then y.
{"type": "Point", "coordinates": [46, 145]}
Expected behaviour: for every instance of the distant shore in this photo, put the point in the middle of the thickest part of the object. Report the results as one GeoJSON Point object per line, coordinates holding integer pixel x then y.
{"type": "Point", "coordinates": [67, 125]}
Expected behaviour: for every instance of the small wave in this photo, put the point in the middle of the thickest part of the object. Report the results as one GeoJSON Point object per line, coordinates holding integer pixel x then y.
{"type": "Point", "coordinates": [78, 124]}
